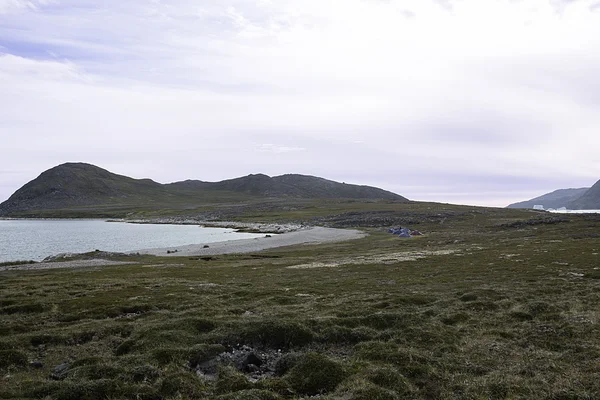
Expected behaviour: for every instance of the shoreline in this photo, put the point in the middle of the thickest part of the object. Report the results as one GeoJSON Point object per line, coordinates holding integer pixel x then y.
{"type": "Point", "coordinates": [249, 227]}
{"type": "Point", "coordinates": [292, 235]}
{"type": "Point", "coordinates": [304, 236]}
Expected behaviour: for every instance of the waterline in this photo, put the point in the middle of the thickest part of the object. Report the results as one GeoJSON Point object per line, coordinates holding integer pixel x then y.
{"type": "Point", "coordinates": [564, 211]}
{"type": "Point", "coordinates": [38, 239]}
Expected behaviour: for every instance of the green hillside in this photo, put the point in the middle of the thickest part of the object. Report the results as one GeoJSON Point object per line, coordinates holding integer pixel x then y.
{"type": "Point", "coordinates": [84, 190]}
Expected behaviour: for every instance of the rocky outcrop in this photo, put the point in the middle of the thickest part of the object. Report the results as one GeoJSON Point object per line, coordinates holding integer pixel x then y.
{"type": "Point", "coordinates": [590, 200]}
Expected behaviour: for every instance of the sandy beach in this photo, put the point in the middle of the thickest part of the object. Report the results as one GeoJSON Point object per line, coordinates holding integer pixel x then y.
{"type": "Point", "coordinates": [313, 235]}
{"type": "Point", "coordinates": [303, 236]}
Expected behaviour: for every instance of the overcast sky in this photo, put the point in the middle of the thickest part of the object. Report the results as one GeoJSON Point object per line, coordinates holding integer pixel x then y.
{"type": "Point", "coordinates": [463, 101]}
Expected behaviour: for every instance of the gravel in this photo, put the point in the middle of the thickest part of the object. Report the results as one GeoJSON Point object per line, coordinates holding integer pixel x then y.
{"type": "Point", "coordinates": [314, 235]}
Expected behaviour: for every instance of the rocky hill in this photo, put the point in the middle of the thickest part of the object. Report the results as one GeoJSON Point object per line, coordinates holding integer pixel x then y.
{"type": "Point", "coordinates": [77, 184]}
{"type": "Point", "coordinates": [84, 186]}
{"type": "Point", "coordinates": [558, 198]}
{"type": "Point", "coordinates": [590, 200]}
{"type": "Point", "coordinates": [304, 186]}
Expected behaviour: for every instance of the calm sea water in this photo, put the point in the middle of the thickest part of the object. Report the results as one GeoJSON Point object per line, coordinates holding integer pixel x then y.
{"type": "Point", "coordinates": [38, 239]}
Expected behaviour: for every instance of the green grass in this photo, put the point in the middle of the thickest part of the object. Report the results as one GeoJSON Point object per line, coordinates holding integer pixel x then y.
{"type": "Point", "coordinates": [508, 311]}
{"type": "Point", "coordinates": [18, 262]}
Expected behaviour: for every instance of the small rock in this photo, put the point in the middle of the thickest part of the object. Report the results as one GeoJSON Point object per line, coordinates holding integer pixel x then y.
{"type": "Point", "coordinates": [36, 364]}
{"type": "Point", "coordinates": [252, 368]}
{"type": "Point", "coordinates": [207, 368]}
{"type": "Point", "coordinates": [208, 377]}
{"type": "Point", "coordinates": [252, 359]}
{"type": "Point", "coordinates": [60, 371]}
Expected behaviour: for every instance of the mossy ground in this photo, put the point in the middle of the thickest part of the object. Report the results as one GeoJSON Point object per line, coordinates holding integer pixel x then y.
{"type": "Point", "coordinates": [510, 310]}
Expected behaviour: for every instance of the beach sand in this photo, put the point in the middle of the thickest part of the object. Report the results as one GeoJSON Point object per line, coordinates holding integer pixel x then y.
{"type": "Point", "coordinates": [313, 235]}
{"type": "Point", "coordinates": [304, 236]}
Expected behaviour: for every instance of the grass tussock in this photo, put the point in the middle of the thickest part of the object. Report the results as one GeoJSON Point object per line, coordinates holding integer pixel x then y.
{"type": "Point", "coordinates": [315, 374]}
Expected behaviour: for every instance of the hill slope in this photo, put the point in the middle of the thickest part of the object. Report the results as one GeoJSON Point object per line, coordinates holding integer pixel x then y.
{"type": "Point", "coordinates": [77, 184]}
{"type": "Point", "coordinates": [590, 200]}
{"type": "Point", "coordinates": [558, 198]}
{"type": "Point", "coordinates": [84, 186]}
{"type": "Point", "coordinates": [302, 186]}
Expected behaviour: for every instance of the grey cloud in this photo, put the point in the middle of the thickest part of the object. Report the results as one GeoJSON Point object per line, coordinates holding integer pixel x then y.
{"type": "Point", "coordinates": [277, 148]}
{"type": "Point", "coordinates": [561, 5]}
{"type": "Point", "coordinates": [476, 129]}
{"type": "Point", "coordinates": [445, 4]}
{"type": "Point", "coordinates": [408, 14]}
{"type": "Point", "coordinates": [553, 75]}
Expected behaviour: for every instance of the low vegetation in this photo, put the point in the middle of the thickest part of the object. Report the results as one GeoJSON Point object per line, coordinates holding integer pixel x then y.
{"type": "Point", "coordinates": [488, 304]}
{"type": "Point", "coordinates": [18, 262]}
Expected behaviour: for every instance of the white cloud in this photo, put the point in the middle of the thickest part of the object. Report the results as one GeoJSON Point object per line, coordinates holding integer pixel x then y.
{"type": "Point", "coordinates": [273, 148]}
{"type": "Point", "coordinates": [11, 6]}
{"type": "Point", "coordinates": [500, 87]}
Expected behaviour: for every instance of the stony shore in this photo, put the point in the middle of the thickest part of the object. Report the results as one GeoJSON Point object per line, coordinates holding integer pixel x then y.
{"type": "Point", "coordinates": [312, 235]}
{"type": "Point", "coordinates": [240, 226]}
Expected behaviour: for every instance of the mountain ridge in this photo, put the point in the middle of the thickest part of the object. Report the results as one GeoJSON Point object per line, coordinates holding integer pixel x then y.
{"type": "Point", "coordinates": [82, 185]}
{"type": "Point", "coordinates": [556, 199]}
{"type": "Point", "coordinates": [590, 200]}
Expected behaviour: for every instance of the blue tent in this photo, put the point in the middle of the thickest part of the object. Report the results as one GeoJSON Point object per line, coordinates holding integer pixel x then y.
{"type": "Point", "coordinates": [402, 232]}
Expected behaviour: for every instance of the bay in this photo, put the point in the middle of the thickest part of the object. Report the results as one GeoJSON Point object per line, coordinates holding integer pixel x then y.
{"type": "Point", "coordinates": [38, 239]}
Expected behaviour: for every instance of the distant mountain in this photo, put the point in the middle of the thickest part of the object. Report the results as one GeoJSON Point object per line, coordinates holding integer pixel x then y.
{"type": "Point", "coordinates": [558, 198]}
{"type": "Point", "coordinates": [304, 186]}
{"type": "Point", "coordinates": [84, 186]}
{"type": "Point", "coordinates": [77, 184]}
{"type": "Point", "coordinates": [590, 200]}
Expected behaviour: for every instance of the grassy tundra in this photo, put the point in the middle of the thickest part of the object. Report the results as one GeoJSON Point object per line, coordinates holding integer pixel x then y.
{"type": "Point", "coordinates": [488, 304]}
